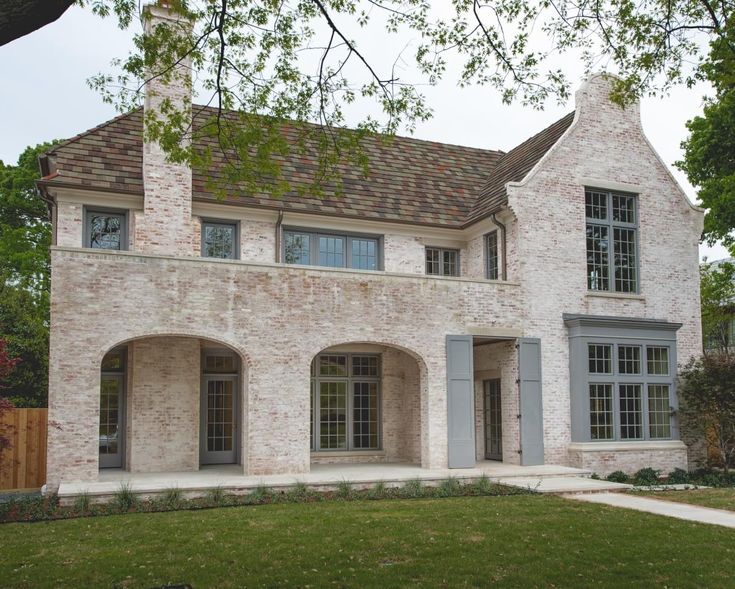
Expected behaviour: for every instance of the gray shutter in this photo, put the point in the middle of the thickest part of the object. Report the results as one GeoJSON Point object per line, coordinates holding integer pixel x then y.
{"type": "Point", "coordinates": [460, 401]}
{"type": "Point", "coordinates": [532, 416]}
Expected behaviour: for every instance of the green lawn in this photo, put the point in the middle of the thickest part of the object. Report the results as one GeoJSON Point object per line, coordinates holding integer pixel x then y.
{"type": "Point", "coordinates": [718, 498]}
{"type": "Point", "coordinates": [522, 541]}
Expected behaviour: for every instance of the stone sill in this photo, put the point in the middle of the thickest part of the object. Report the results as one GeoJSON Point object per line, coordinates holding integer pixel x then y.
{"type": "Point", "coordinates": [626, 446]}
{"type": "Point", "coordinates": [345, 454]}
{"type": "Point", "coordinates": [291, 267]}
{"type": "Point", "coordinates": [615, 295]}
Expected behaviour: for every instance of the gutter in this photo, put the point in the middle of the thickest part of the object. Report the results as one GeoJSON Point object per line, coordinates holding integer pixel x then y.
{"type": "Point", "coordinates": [504, 274]}
{"type": "Point", "coordinates": [43, 164]}
{"type": "Point", "coordinates": [278, 236]}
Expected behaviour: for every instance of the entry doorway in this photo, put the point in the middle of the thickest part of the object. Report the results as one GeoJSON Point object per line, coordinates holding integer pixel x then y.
{"type": "Point", "coordinates": [493, 422]}
{"type": "Point", "coordinates": [219, 408]}
{"type": "Point", "coordinates": [112, 409]}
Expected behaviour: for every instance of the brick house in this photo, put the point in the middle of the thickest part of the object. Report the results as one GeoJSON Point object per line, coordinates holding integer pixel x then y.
{"type": "Point", "coordinates": [457, 305]}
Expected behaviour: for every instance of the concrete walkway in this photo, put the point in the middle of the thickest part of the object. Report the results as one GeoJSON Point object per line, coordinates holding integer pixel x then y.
{"type": "Point", "coordinates": [694, 513]}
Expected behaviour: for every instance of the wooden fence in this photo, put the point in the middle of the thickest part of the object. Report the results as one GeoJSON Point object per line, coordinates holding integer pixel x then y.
{"type": "Point", "coordinates": [23, 465]}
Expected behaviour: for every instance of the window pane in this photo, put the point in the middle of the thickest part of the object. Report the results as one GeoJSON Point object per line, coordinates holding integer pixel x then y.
{"type": "Point", "coordinates": [365, 366]}
{"type": "Point", "coordinates": [331, 252]}
{"type": "Point", "coordinates": [596, 204]}
{"type": "Point", "coordinates": [365, 415]}
{"type": "Point", "coordinates": [492, 255]}
{"type": "Point", "coordinates": [109, 415]}
{"type": "Point", "coordinates": [296, 248]}
{"type": "Point", "coordinates": [450, 266]}
{"type": "Point", "coordinates": [629, 359]}
{"type": "Point", "coordinates": [332, 365]}
{"type": "Point", "coordinates": [631, 414]}
{"type": "Point", "coordinates": [333, 415]}
{"type": "Point", "coordinates": [598, 260]}
{"type": "Point", "coordinates": [433, 265]}
{"type": "Point", "coordinates": [218, 241]}
{"type": "Point", "coordinates": [623, 207]}
{"type": "Point", "coordinates": [600, 358]}
{"type": "Point", "coordinates": [601, 411]}
{"type": "Point", "coordinates": [659, 411]}
{"type": "Point", "coordinates": [105, 231]}
{"type": "Point", "coordinates": [625, 260]}
{"type": "Point", "coordinates": [112, 362]}
{"type": "Point", "coordinates": [219, 364]}
{"type": "Point", "coordinates": [365, 254]}
{"type": "Point", "coordinates": [658, 360]}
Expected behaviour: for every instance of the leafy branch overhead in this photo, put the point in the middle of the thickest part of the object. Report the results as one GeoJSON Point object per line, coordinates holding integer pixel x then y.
{"type": "Point", "coordinates": [274, 61]}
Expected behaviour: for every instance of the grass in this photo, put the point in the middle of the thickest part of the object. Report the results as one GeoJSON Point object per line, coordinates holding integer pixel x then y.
{"type": "Point", "coordinates": [513, 541]}
{"type": "Point", "coordinates": [717, 498]}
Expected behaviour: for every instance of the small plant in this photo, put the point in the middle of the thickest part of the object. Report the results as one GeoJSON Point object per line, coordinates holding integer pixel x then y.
{"type": "Point", "coordinates": [646, 477]}
{"type": "Point", "coordinates": [216, 496]}
{"type": "Point", "coordinates": [482, 486]}
{"type": "Point", "coordinates": [617, 477]}
{"type": "Point", "coordinates": [261, 494]}
{"type": "Point", "coordinates": [450, 487]}
{"type": "Point", "coordinates": [678, 476]}
{"type": "Point", "coordinates": [378, 491]}
{"type": "Point", "coordinates": [172, 498]}
{"type": "Point", "coordinates": [124, 499]}
{"type": "Point", "coordinates": [299, 493]}
{"type": "Point", "coordinates": [345, 490]}
{"type": "Point", "coordinates": [413, 489]}
{"type": "Point", "coordinates": [82, 502]}
{"type": "Point", "coordinates": [595, 477]}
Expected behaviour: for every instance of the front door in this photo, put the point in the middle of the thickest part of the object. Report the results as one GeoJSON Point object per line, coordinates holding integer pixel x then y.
{"type": "Point", "coordinates": [493, 420]}
{"type": "Point", "coordinates": [218, 443]}
{"type": "Point", "coordinates": [111, 421]}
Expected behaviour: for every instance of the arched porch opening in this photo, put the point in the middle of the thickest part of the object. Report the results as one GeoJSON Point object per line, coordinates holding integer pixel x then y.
{"type": "Point", "coordinates": [171, 403]}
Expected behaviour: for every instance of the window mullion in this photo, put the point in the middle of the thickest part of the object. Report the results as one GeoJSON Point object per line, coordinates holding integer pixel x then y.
{"type": "Point", "coordinates": [610, 244]}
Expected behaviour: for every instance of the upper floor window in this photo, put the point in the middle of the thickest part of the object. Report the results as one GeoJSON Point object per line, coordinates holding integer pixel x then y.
{"type": "Point", "coordinates": [491, 255]}
{"type": "Point", "coordinates": [219, 240]}
{"type": "Point", "coordinates": [612, 241]}
{"type": "Point", "coordinates": [105, 229]}
{"type": "Point", "coordinates": [361, 252]}
{"type": "Point", "coordinates": [442, 262]}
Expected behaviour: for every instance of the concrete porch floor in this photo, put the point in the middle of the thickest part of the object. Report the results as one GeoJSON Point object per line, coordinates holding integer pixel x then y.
{"type": "Point", "coordinates": [545, 478]}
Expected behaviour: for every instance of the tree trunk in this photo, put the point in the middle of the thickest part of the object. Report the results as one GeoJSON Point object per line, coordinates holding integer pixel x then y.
{"type": "Point", "coordinates": [20, 17]}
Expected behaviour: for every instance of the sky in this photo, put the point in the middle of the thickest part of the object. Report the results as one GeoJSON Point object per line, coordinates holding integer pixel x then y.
{"type": "Point", "coordinates": [44, 95]}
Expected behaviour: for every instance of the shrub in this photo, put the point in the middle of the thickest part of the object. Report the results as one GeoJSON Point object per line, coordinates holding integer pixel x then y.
{"type": "Point", "coordinates": [378, 491]}
{"type": "Point", "coordinates": [300, 493]}
{"type": "Point", "coordinates": [261, 494]}
{"type": "Point", "coordinates": [124, 499]}
{"type": "Point", "coordinates": [82, 502]}
{"type": "Point", "coordinates": [450, 487]}
{"type": "Point", "coordinates": [216, 496]}
{"type": "Point", "coordinates": [617, 477]}
{"type": "Point", "coordinates": [594, 476]}
{"type": "Point", "coordinates": [646, 477]}
{"type": "Point", "coordinates": [482, 486]}
{"type": "Point", "coordinates": [172, 498]}
{"type": "Point", "coordinates": [413, 489]}
{"type": "Point", "coordinates": [678, 476]}
{"type": "Point", "coordinates": [345, 490]}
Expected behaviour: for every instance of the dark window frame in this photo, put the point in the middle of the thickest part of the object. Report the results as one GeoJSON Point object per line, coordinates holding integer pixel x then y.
{"type": "Point", "coordinates": [124, 233]}
{"type": "Point", "coordinates": [492, 262]}
{"type": "Point", "coordinates": [442, 250]}
{"type": "Point", "coordinates": [207, 221]}
{"type": "Point", "coordinates": [610, 225]}
{"type": "Point", "coordinates": [348, 236]}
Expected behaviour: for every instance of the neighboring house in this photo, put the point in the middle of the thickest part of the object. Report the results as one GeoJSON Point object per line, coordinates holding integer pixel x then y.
{"type": "Point", "coordinates": [456, 305]}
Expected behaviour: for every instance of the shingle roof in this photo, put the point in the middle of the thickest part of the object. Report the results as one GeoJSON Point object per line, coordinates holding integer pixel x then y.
{"type": "Point", "coordinates": [409, 180]}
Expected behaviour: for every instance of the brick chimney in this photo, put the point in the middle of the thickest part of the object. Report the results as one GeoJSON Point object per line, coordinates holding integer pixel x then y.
{"type": "Point", "coordinates": [165, 227]}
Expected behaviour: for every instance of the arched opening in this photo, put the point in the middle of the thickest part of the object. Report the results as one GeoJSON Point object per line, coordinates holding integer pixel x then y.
{"type": "Point", "coordinates": [171, 404]}
{"type": "Point", "coordinates": [366, 405]}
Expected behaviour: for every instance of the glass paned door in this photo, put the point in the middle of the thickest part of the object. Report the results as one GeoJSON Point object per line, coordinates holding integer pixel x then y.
{"type": "Point", "coordinates": [218, 443]}
{"type": "Point", "coordinates": [333, 415]}
{"type": "Point", "coordinates": [493, 420]}
{"type": "Point", "coordinates": [111, 421]}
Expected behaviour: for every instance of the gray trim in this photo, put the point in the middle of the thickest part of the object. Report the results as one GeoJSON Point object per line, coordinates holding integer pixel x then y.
{"type": "Point", "coordinates": [117, 460]}
{"type": "Point", "coordinates": [504, 238]}
{"type": "Point", "coordinates": [124, 233]}
{"type": "Point", "coordinates": [228, 222]}
{"type": "Point", "coordinates": [347, 235]}
{"type": "Point", "coordinates": [486, 243]}
{"type": "Point", "coordinates": [460, 402]}
{"type": "Point", "coordinates": [441, 260]}
{"type": "Point", "coordinates": [531, 401]}
{"type": "Point", "coordinates": [206, 457]}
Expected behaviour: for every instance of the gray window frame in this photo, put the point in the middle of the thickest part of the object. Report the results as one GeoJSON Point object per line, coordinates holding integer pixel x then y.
{"type": "Point", "coordinates": [87, 233]}
{"type": "Point", "coordinates": [237, 394]}
{"type": "Point", "coordinates": [348, 236]}
{"type": "Point", "coordinates": [490, 272]}
{"type": "Point", "coordinates": [586, 330]}
{"type": "Point", "coordinates": [122, 375]}
{"type": "Point", "coordinates": [206, 221]}
{"type": "Point", "coordinates": [349, 379]}
{"type": "Point", "coordinates": [611, 225]}
{"type": "Point", "coordinates": [441, 251]}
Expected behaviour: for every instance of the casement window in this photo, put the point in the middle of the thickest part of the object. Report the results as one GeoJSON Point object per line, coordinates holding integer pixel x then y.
{"type": "Point", "coordinates": [442, 262]}
{"type": "Point", "coordinates": [219, 240]}
{"type": "Point", "coordinates": [612, 241]}
{"type": "Point", "coordinates": [360, 252]}
{"type": "Point", "coordinates": [491, 255]}
{"type": "Point", "coordinates": [345, 402]}
{"type": "Point", "coordinates": [622, 379]}
{"type": "Point", "coordinates": [105, 229]}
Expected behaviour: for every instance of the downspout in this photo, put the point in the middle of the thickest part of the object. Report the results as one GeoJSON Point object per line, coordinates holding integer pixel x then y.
{"type": "Point", "coordinates": [504, 274]}
{"type": "Point", "coordinates": [278, 236]}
